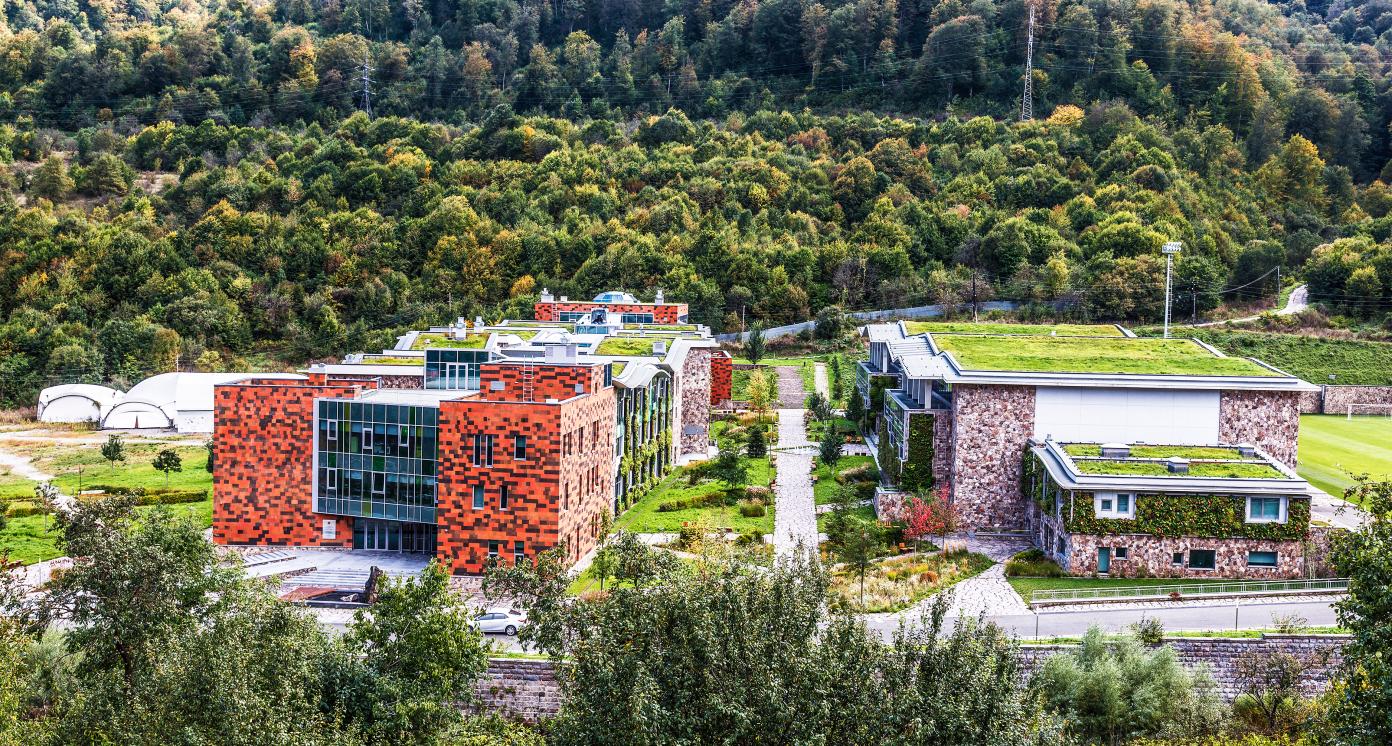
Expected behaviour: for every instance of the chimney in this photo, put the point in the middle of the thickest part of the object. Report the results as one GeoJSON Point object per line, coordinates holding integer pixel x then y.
{"type": "Point", "coordinates": [1116, 450]}
{"type": "Point", "coordinates": [658, 298]}
{"type": "Point", "coordinates": [1177, 465]}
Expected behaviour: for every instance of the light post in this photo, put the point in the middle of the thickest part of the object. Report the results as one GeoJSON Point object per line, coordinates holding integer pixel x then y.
{"type": "Point", "coordinates": [1169, 249]}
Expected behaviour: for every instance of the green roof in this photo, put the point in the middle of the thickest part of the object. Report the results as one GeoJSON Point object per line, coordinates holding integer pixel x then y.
{"type": "Point", "coordinates": [1036, 330]}
{"type": "Point", "coordinates": [631, 345]}
{"type": "Point", "coordinates": [393, 361]}
{"type": "Point", "coordinates": [440, 339]}
{"type": "Point", "coordinates": [1219, 469]}
{"type": "Point", "coordinates": [1149, 451]}
{"type": "Point", "coordinates": [1101, 355]}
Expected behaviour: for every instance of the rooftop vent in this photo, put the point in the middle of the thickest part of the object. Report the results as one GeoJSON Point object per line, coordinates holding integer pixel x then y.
{"type": "Point", "coordinates": [546, 296]}
{"type": "Point", "coordinates": [1116, 450]}
{"type": "Point", "coordinates": [561, 353]}
{"type": "Point", "coordinates": [658, 298]}
{"type": "Point", "coordinates": [1246, 450]}
{"type": "Point", "coordinates": [660, 347]}
{"type": "Point", "coordinates": [478, 321]}
{"type": "Point", "coordinates": [1177, 465]}
{"type": "Point", "coordinates": [564, 299]}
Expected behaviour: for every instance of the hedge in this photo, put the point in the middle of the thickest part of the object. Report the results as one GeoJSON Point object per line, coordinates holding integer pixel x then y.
{"type": "Point", "coordinates": [1208, 516]}
{"type": "Point", "coordinates": [916, 474]}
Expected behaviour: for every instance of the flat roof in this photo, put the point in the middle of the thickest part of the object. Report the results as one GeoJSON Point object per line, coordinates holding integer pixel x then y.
{"type": "Point", "coordinates": [1216, 469]}
{"type": "Point", "coordinates": [1095, 355]}
{"type": "Point", "coordinates": [984, 327]}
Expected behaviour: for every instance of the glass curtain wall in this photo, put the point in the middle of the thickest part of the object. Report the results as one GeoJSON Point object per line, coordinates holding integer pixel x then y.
{"type": "Point", "coordinates": [376, 460]}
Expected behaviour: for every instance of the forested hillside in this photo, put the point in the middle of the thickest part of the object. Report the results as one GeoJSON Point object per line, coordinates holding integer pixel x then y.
{"type": "Point", "coordinates": [195, 182]}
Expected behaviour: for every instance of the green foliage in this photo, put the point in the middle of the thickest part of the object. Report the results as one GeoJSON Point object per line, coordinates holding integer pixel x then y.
{"type": "Point", "coordinates": [755, 346]}
{"type": "Point", "coordinates": [1112, 690]}
{"type": "Point", "coordinates": [1216, 516]}
{"type": "Point", "coordinates": [890, 465]}
{"type": "Point", "coordinates": [756, 444]}
{"type": "Point", "coordinates": [829, 449]}
{"type": "Point", "coordinates": [730, 468]}
{"type": "Point", "coordinates": [1364, 713]}
{"type": "Point", "coordinates": [1033, 563]}
{"type": "Point", "coordinates": [1312, 358]}
{"type": "Point", "coordinates": [916, 473]}
{"type": "Point", "coordinates": [114, 449]}
{"type": "Point", "coordinates": [167, 461]}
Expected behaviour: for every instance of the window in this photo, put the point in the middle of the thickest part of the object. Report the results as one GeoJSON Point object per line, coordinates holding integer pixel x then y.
{"type": "Point", "coordinates": [379, 483]}
{"type": "Point", "coordinates": [1121, 553]}
{"type": "Point", "coordinates": [367, 438]}
{"type": "Point", "coordinates": [403, 440]}
{"type": "Point", "coordinates": [1266, 510]}
{"type": "Point", "coordinates": [332, 427]}
{"type": "Point", "coordinates": [1178, 559]}
{"type": "Point", "coordinates": [1261, 559]}
{"type": "Point", "coordinates": [493, 549]}
{"type": "Point", "coordinates": [1202, 559]}
{"type": "Point", "coordinates": [503, 497]}
{"type": "Point", "coordinates": [519, 447]}
{"type": "Point", "coordinates": [478, 497]}
{"type": "Point", "coordinates": [519, 552]}
{"type": "Point", "coordinates": [483, 450]}
{"type": "Point", "coordinates": [331, 481]}
{"type": "Point", "coordinates": [1114, 504]}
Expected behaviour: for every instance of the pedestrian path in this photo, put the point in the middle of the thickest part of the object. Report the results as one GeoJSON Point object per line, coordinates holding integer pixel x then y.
{"type": "Point", "coordinates": [986, 594]}
{"type": "Point", "coordinates": [820, 380]}
{"type": "Point", "coordinates": [794, 515]}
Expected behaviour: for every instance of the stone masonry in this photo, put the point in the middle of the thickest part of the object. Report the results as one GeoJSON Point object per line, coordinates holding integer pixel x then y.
{"type": "Point", "coordinates": [694, 388]}
{"type": "Point", "coordinates": [1156, 555]}
{"type": "Point", "coordinates": [991, 427]}
{"type": "Point", "coordinates": [1335, 399]}
{"type": "Point", "coordinates": [1269, 420]}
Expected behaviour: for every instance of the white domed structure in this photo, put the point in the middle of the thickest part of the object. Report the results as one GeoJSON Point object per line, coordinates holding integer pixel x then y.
{"type": "Point", "coordinates": [182, 401]}
{"type": "Point", "coordinates": [76, 402]}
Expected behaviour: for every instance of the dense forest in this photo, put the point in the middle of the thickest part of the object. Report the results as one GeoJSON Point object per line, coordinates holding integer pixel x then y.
{"type": "Point", "coordinates": [204, 183]}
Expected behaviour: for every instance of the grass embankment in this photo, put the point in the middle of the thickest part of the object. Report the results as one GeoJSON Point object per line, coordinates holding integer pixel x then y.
{"type": "Point", "coordinates": [987, 327]}
{"type": "Point", "coordinates": [825, 487]}
{"type": "Point", "coordinates": [1026, 586]}
{"type": "Point", "coordinates": [1334, 448]}
{"type": "Point", "coordinates": [1351, 362]}
{"type": "Point", "coordinates": [1091, 355]}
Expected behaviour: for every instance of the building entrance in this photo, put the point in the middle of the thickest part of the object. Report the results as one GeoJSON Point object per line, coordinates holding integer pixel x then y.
{"type": "Point", "coordinates": [393, 536]}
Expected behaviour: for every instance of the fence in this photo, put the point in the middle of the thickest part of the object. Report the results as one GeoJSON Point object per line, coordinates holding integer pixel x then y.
{"type": "Point", "coordinates": [1232, 589]}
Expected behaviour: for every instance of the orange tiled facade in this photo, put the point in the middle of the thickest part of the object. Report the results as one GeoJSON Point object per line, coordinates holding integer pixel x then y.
{"type": "Point", "coordinates": [544, 479]}
{"type": "Point", "coordinates": [663, 313]}
{"type": "Point", "coordinates": [722, 377]}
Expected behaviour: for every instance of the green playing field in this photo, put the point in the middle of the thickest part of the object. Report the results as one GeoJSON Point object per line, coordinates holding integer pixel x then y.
{"type": "Point", "coordinates": [1334, 448]}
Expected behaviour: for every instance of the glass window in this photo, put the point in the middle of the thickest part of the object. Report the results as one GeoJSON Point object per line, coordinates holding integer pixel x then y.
{"type": "Point", "coordinates": [379, 483]}
{"type": "Point", "coordinates": [1261, 559]}
{"type": "Point", "coordinates": [1123, 503]}
{"type": "Point", "coordinates": [1121, 552]}
{"type": "Point", "coordinates": [1178, 558]}
{"type": "Point", "coordinates": [1265, 509]}
{"type": "Point", "coordinates": [519, 552]}
{"type": "Point", "coordinates": [519, 447]}
{"type": "Point", "coordinates": [1202, 559]}
{"type": "Point", "coordinates": [493, 547]}
{"type": "Point", "coordinates": [478, 497]}
{"type": "Point", "coordinates": [1114, 505]}
{"type": "Point", "coordinates": [1106, 505]}
{"type": "Point", "coordinates": [367, 439]}
{"type": "Point", "coordinates": [503, 497]}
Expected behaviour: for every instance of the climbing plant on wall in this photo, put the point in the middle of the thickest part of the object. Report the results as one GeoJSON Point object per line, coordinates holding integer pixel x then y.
{"type": "Point", "coordinates": [889, 460]}
{"type": "Point", "coordinates": [916, 472]}
{"type": "Point", "coordinates": [1212, 516]}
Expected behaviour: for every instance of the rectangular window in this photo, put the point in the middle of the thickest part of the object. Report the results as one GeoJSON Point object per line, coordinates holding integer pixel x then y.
{"type": "Point", "coordinates": [1178, 558]}
{"type": "Point", "coordinates": [332, 427]}
{"type": "Point", "coordinates": [331, 481]}
{"type": "Point", "coordinates": [478, 497]}
{"type": "Point", "coordinates": [1121, 552]}
{"type": "Point", "coordinates": [366, 438]}
{"type": "Point", "coordinates": [493, 547]}
{"type": "Point", "coordinates": [488, 450]}
{"type": "Point", "coordinates": [1266, 510]}
{"type": "Point", "coordinates": [1123, 503]}
{"type": "Point", "coordinates": [519, 447]}
{"type": "Point", "coordinates": [379, 483]}
{"type": "Point", "coordinates": [1203, 559]}
{"type": "Point", "coordinates": [1261, 559]}
{"type": "Point", "coordinates": [519, 552]}
{"type": "Point", "coordinates": [403, 440]}
{"type": "Point", "coordinates": [503, 497]}
{"type": "Point", "coordinates": [1114, 505]}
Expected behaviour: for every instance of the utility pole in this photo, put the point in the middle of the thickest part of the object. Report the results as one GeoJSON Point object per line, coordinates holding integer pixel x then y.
{"type": "Point", "coordinates": [1170, 249]}
{"type": "Point", "coordinates": [1027, 98]}
{"type": "Point", "coordinates": [366, 70]}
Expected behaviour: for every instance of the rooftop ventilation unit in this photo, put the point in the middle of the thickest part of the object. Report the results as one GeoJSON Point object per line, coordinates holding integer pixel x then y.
{"type": "Point", "coordinates": [1116, 450]}
{"type": "Point", "coordinates": [660, 347]}
{"type": "Point", "coordinates": [546, 296]}
{"type": "Point", "coordinates": [562, 354]}
{"type": "Point", "coordinates": [658, 298]}
{"type": "Point", "coordinates": [1246, 450]}
{"type": "Point", "coordinates": [1177, 465]}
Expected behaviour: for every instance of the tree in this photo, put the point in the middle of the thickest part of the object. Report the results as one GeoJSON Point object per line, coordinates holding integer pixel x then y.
{"type": "Point", "coordinates": [1270, 682]}
{"type": "Point", "coordinates": [602, 565]}
{"type": "Point", "coordinates": [919, 520]}
{"type": "Point", "coordinates": [730, 469]}
{"type": "Point", "coordinates": [756, 444]}
{"type": "Point", "coordinates": [114, 449]}
{"type": "Point", "coordinates": [421, 655]}
{"type": "Point", "coordinates": [760, 392]}
{"type": "Point", "coordinates": [1364, 713]}
{"type": "Point", "coordinates": [754, 345]}
{"type": "Point", "coordinates": [860, 543]}
{"type": "Point", "coordinates": [167, 461]}
{"type": "Point", "coordinates": [829, 450]}
{"type": "Point", "coordinates": [211, 447]}
{"type": "Point", "coordinates": [51, 180]}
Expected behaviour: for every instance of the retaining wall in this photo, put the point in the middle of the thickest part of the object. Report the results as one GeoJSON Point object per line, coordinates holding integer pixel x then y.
{"type": "Point", "coordinates": [1335, 399]}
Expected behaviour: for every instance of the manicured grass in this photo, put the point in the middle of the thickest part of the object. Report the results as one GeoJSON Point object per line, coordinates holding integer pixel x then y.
{"type": "Point", "coordinates": [1333, 449]}
{"type": "Point", "coordinates": [824, 489]}
{"type": "Point", "coordinates": [1092, 355]}
{"type": "Point", "coordinates": [1314, 359]}
{"type": "Point", "coordinates": [1026, 586]}
{"type": "Point", "coordinates": [440, 339]}
{"type": "Point", "coordinates": [967, 327]}
{"type": "Point", "coordinates": [631, 345]}
{"type": "Point", "coordinates": [417, 361]}
{"type": "Point", "coordinates": [1249, 470]}
{"type": "Point", "coordinates": [645, 518]}
{"type": "Point", "coordinates": [29, 540]}
{"type": "Point", "coordinates": [1144, 451]}
{"type": "Point", "coordinates": [864, 512]}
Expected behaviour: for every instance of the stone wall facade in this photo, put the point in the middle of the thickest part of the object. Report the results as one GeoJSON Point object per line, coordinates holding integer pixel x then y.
{"type": "Point", "coordinates": [694, 390]}
{"type": "Point", "coordinates": [1154, 556]}
{"type": "Point", "coordinates": [1335, 399]}
{"type": "Point", "coordinates": [1311, 402]}
{"type": "Point", "coordinates": [1322, 655]}
{"type": "Point", "coordinates": [991, 426]}
{"type": "Point", "coordinates": [1269, 420]}
{"type": "Point", "coordinates": [517, 689]}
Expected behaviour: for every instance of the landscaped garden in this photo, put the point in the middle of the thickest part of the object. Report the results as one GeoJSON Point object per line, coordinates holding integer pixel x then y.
{"type": "Point", "coordinates": [856, 472]}
{"type": "Point", "coordinates": [896, 583]}
{"type": "Point", "coordinates": [678, 501]}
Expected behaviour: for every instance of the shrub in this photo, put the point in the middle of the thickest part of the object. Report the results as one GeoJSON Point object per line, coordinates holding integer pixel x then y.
{"type": "Point", "coordinates": [689, 535]}
{"type": "Point", "coordinates": [750, 536]}
{"type": "Point", "coordinates": [1149, 630]}
{"type": "Point", "coordinates": [1289, 624]}
{"type": "Point", "coordinates": [23, 509]}
{"type": "Point", "coordinates": [752, 510]}
{"type": "Point", "coordinates": [714, 499]}
{"type": "Point", "coordinates": [1033, 563]}
{"type": "Point", "coordinates": [860, 473]}
{"type": "Point", "coordinates": [760, 493]}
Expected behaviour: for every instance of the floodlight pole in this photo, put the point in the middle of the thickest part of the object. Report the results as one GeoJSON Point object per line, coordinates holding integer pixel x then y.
{"type": "Point", "coordinates": [1170, 250]}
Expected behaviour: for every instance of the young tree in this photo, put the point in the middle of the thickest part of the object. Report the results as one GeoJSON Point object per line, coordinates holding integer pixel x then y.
{"type": "Point", "coordinates": [730, 468]}
{"type": "Point", "coordinates": [51, 180]}
{"type": "Point", "coordinates": [756, 443]}
{"type": "Point", "coordinates": [754, 346]}
{"type": "Point", "coordinates": [114, 449]}
{"type": "Point", "coordinates": [815, 405]}
{"type": "Point", "coordinates": [1270, 682]}
{"type": "Point", "coordinates": [168, 461]}
{"type": "Point", "coordinates": [855, 409]}
{"type": "Point", "coordinates": [212, 454]}
{"type": "Point", "coordinates": [919, 520]}
{"type": "Point", "coordinates": [860, 543]}
{"type": "Point", "coordinates": [602, 565]}
{"type": "Point", "coordinates": [829, 450]}
{"type": "Point", "coordinates": [761, 392]}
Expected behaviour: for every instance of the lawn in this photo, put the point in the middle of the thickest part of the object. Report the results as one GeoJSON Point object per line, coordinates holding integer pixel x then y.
{"type": "Point", "coordinates": [1334, 448]}
{"type": "Point", "coordinates": [1026, 586]}
{"type": "Point", "coordinates": [644, 517]}
{"type": "Point", "coordinates": [1092, 355]}
{"type": "Point", "coordinates": [824, 489]}
{"type": "Point", "coordinates": [1145, 451]}
{"type": "Point", "coordinates": [1314, 359]}
{"type": "Point", "coordinates": [967, 327]}
{"type": "Point", "coordinates": [864, 513]}
{"type": "Point", "coordinates": [631, 345]}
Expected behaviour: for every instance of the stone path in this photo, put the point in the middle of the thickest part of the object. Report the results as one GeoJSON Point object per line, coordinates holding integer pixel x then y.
{"type": "Point", "coordinates": [790, 392]}
{"type": "Point", "coordinates": [987, 593]}
{"type": "Point", "coordinates": [21, 466]}
{"type": "Point", "coordinates": [820, 380]}
{"type": "Point", "coordinates": [794, 512]}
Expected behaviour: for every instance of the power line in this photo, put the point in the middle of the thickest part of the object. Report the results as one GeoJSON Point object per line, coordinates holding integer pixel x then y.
{"type": "Point", "coordinates": [1027, 98]}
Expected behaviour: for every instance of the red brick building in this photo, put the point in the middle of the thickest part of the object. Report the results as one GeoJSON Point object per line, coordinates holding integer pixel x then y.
{"type": "Point", "coordinates": [722, 372]}
{"type": "Point", "coordinates": [520, 465]}
{"type": "Point", "coordinates": [629, 309]}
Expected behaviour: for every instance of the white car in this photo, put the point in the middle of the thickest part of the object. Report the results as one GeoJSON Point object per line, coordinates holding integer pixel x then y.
{"type": "Point", "coordinates": [506, 621]}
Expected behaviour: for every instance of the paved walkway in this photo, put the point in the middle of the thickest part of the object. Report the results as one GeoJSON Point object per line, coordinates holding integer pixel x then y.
{"type": "Point", "coordinates": [1298, 301]}
{"type": "Point", "coordinates": [987, 593]}
{"type": "Point", "coordinates": [794, 512]}
{"type": "Point", "coordinates": [820, 380]}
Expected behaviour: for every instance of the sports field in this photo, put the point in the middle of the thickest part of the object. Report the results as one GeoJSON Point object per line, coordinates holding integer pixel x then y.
{"type": "Point", "coordinates": [1334, 448]}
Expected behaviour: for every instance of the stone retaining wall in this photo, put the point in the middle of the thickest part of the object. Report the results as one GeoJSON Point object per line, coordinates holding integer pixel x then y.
{"type": "Point", "coordinates": [1335, 399]}
{"type": "Point", "coordinates": [1321, 653]}
{"type": "Point", "coordinates": [519, 689]}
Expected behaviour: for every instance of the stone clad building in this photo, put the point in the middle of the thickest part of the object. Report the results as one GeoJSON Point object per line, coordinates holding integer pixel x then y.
{"type": "Point", "coordinates": [473, 443]}
{"type": "Point", "coordinates": [999, 419]}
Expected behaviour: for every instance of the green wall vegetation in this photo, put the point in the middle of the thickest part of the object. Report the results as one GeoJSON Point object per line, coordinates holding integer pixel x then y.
{"type": "Point", "coordinates": [1210, 516]}
{"type": "Point", "coordinates": [889, 460]}
{"type": "Point", "coordinates": [917, 471]}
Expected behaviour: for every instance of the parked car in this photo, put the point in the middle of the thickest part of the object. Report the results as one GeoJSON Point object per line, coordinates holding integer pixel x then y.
{"type": "Point", "coordinates": [506, 621]}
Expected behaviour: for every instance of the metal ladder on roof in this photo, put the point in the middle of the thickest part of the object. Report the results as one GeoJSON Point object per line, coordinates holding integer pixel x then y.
{"type": "Point", "coordinates": [528, 376]}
